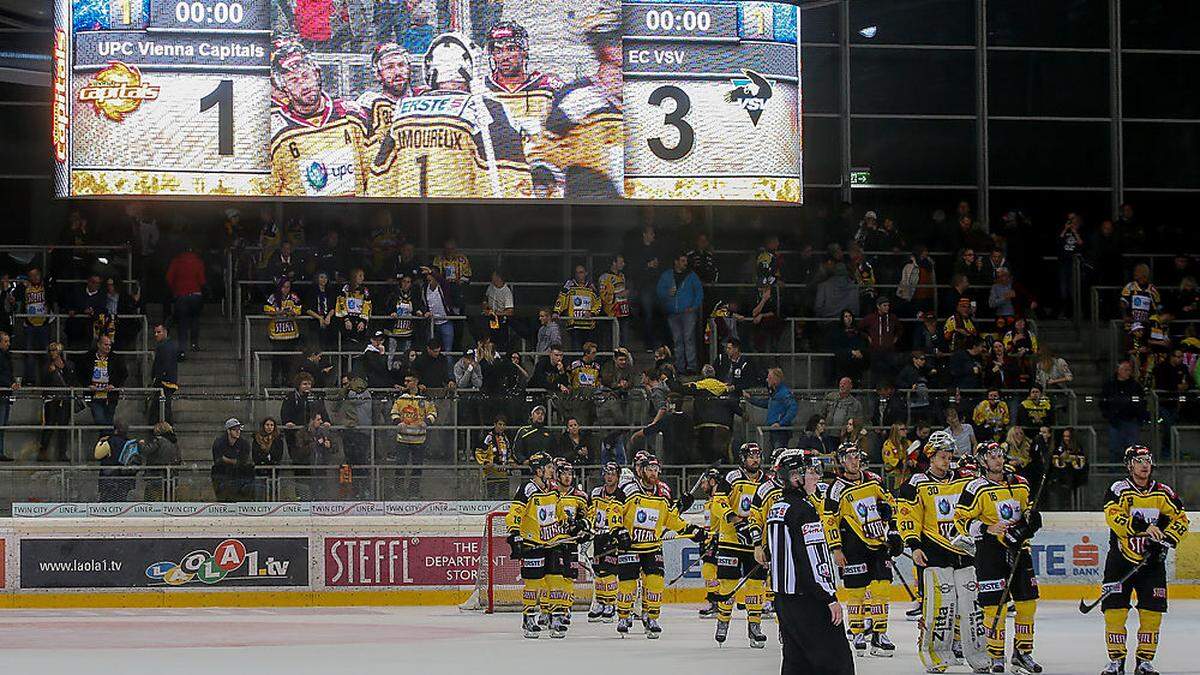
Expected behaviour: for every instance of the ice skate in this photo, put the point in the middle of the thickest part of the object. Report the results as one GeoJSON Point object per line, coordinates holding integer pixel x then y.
{"type": "Point", "coordinates": [710, 611]}
{"type": "Point", "coordinates": [914, 613]}
{"type": "Point", "coordinates": [1114, 668]}
{"type": "Point", "coordinates": [530, 627]}
{"type": "Point", "coordinates": [881, 645]}
{"type": "Point", "coordinates": [997, 665]}
{"type": "Point", "coordinates": [722, 632]}
{"type": "Point", "coordinates": [1023, 664]}
{"type": "Point", "coordinates": [623, 625]}
{"type": "Point", "coordinates": [1145, 668]}
{"type": "Point", "coordinates": [557, 628]}
{"type": "Point", "coordinates": [653, 630]}
{"type": "Point", "coordinates": [595, 613]}
{"type": "Point", "coordinates": [859, 643]}
{"type": "Point", "coordinates": [609, 613]}
{"type": "Point", "coordinates": [757, 639]}
{"type": "Point", "coordinates": [768, 610]}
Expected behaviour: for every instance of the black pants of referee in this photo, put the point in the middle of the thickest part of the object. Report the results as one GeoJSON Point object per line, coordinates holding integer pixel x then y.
{"type": "Point", "coordinates": [812, 645]}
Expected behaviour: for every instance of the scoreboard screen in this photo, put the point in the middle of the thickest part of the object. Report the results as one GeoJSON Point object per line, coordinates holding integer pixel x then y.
{"type": "Point", "coordinates": [407, 100]}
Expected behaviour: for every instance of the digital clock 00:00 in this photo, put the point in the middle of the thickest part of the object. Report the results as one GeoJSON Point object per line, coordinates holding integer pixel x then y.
{"type": "Point", "coordinates": [220, 12]}
{"type": "Point", "coordinates": [688, 20]}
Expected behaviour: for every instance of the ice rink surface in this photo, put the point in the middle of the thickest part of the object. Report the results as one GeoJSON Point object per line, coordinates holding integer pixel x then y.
{"type": "Point", "coordinates": [436, 640]}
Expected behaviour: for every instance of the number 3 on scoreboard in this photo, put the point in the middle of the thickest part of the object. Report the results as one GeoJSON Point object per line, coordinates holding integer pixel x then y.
{"type": "Point", "coordinates": [222, 97]}
{"type": "Point", "coordinates": [687, 134]}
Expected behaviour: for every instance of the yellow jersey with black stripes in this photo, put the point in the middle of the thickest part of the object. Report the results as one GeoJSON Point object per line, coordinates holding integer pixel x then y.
{"type": "Point", "coordinates": [583, 143]}
{"type": "Point", "coordinates": [1156, 504]}
{"type": "Point", "coordinates": [735, 499]}
{"type": "Point", "coordinates": [646, 518]}
{"type": "Point", "coordinates": [318, 155]}
{"type": "Point", "coordinates": [985, 502]}
{"type": "Point", "coordinates": [574, 505]}
{"type": "Point", "coordinates": [925, 507]}
{"type": "Point", "coordinates": [852, 508]}
{"type": "Point", "coordinates": [437, 147]}
{"type": "Point", "coordinates": [602, 507]}
{"type": "Point", "coordinates": [537, 514]}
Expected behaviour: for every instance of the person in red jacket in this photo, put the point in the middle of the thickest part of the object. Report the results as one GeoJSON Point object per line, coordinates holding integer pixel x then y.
{"type": "Point", "coordinates": [185, 277]}
{"type": "Point", "coordinates": [882, 330]}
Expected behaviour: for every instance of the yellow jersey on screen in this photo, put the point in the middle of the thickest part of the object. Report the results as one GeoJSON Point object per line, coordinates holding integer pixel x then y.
{"type": "Point", "coordinates": [319, 155]}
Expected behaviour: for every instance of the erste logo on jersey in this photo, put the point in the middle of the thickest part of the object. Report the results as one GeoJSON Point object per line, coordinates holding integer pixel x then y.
{"type": "Point", "coordinates": [117, 91]}
{"type": "Point", "coordinates": [751, 94]}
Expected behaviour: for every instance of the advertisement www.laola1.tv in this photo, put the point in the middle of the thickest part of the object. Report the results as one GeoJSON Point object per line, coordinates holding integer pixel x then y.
{"type": "Point", "coordinates": [595, 100]}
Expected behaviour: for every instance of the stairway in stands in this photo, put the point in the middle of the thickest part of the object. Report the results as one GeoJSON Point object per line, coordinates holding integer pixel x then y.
{"type": "Point", "coordinates": [211, 373]}
{"type": "Point", "coordinates": [1087, 355]}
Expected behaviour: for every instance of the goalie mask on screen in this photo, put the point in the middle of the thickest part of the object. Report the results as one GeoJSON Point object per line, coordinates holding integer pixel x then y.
{"type": "Point", "coordinates": [294, 73]}
{"type": "Point", "coordinates": [450, 62]}
{"type": "Point", "coordinates": [508, 49]}
{"type": "Point", "coordinates": [393, 67]}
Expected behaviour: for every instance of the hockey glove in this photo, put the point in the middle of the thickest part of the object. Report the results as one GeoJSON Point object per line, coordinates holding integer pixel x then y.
{"type": "Point", "coordinates": [685, 502]}
{"type": "Point", "coordinates": [622, 540]}
{"type": "Point", "coordinates": [895, 544]}
{"type": "Point", "coordinates": [1156, 551]}
{"type": "Point", "coordinates": [1017, 534]}
{"type": "Point", "coordinates": [516, 545]}
{"type": "Point", "coordinates": [1035, 522]}
{"type": "Point", "coordinates": [885, 511]}
{"type": "Point", "coordinates": [698, 534]}
{"type": "Point", "coordinates": [1138, 523]}
{"type": "Point", "coordinates": [747, 534]}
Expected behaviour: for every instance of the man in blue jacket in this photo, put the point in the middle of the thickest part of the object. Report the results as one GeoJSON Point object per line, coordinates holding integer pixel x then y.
{"type": "Point", "coordinates": [680, 294]}
{"type": "Point", "coordinates": [781, 407]}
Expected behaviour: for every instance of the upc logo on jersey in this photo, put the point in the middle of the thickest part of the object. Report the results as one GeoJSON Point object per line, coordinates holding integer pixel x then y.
{"type": "Point", "coordinates": [117, 91]}
{"type": "Point", "coordinates": [317, 176]}
{"type": "Point", "coordinates": [751, 94]}
{"type": "Point", "coordinates": [943, 507]}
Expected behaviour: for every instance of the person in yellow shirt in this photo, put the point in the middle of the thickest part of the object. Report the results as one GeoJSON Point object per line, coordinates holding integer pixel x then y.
{"type": "Point", "coordinates": [602, 504]}
{"type": "Point", "coordinates": [283, 306]}
{"type": "Point", "coordinates": [535, 524]}
{"type": "Point", "coordinates": [991, 417]}
{"type": "Point", "coordinates": [493, 455]}
{"type": "Point", "coordinates": [579, 303]}
{"type": "Point", "coordinates": [455, 269]}
{"type": "Point", "coordinates": [736, 539]}
{"type": "Point", "coordinates": [614, 296]}
{"type": "Point", "coordinates": [1146, 520]}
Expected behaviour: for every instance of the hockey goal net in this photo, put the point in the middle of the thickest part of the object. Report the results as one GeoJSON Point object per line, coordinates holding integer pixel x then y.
{"type": "Point", "coordinates": [498, 584]}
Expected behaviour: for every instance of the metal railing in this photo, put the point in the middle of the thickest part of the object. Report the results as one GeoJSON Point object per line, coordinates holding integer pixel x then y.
{"type": "Point", "coordinates": [58, 319]}
{"type": "Point", "coordinates": [46, 250]}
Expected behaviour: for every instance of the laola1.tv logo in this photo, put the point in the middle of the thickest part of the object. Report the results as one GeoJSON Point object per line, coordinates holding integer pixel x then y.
{"type": "Point", "coordinates": [228, 557]}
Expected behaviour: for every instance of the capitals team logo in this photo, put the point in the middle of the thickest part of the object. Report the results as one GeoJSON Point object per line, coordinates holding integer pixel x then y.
{"type": "Point", "coordinates": [641, 516]}
{"type": "Point", "coordinates": [210, 568]}
{"type": "Point", "coordinates": [750, 93]}
{"type": "Point", "coordinates": [118, 91]}
{"type": "Point", "coordinates": [943, 507]}
{"type": "Point", "coordinates": [317, 175]}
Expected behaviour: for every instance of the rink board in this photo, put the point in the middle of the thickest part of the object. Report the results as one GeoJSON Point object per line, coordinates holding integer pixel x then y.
{"type": "Point", "coordinates": [394, 554]}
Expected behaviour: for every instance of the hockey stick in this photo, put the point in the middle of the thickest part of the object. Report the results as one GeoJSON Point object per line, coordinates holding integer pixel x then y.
{"type": "Point", "coordinates": [1007, 594]}
{"type": "Point", "coordinates": [903, 581]}
{"type": "Point", "coordinates": [724, 597]}
{"type": "Point", "coordinates": [1085, 607]}
{"type": "Point", "coordinates": [685, 572]}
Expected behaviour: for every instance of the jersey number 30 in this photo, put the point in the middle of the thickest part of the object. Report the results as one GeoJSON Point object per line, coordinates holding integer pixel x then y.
{"type": "Point", "coordinates": [687, 135]}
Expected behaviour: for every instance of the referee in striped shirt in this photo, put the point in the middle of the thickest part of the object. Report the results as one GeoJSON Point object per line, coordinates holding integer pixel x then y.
{"type": "Point", "coordinates": [810, 618]}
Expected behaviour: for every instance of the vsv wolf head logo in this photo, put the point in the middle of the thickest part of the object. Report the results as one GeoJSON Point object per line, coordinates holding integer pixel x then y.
{"type": "Point", "coordinates": [751, 93]}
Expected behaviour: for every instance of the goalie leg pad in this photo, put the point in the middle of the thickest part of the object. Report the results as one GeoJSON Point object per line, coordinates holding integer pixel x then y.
{"type": "Point", "coordinates": [935, 644]}
{"type": "Point", "coordinates": [972, 629]}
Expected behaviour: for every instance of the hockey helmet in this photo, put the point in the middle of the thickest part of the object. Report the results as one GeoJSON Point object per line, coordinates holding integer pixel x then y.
{"type": "Point", "coordinates": [385, 49]}
{"type": "Point", "coordinates": [989, 449]}
{"type": "Point", "coordinates": [508, 31]}
{"type": "Point", "coordinates": [564, 465]}
{"type": "Point", "coordinates": [539, 460]}
{"type": "Point", "coordinates": [611, 468]}
{"type": "Point", "coordinates": [647, 460]}
{"type": "Point", "coordinates": [288, 55]}
{"type": "Point", "coordinates": [938, 440]}
{"type": "Point", "coordinates": [602, 27]}
{"type": "Point", "coordinates": [450, 58]}
{"type": "Point", "coordinates": [748, 449]}
{"type": "Point", "coordinates": [849, 448]}
{"type": "Point", "coordinates": [1138, 453]}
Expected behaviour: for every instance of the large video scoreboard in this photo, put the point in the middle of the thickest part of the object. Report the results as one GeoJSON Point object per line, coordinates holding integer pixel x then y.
{"type": "Point", "coordinates": [543, 99]}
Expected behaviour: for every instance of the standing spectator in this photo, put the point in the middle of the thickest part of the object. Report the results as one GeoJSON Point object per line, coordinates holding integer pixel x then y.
{"type": "Point", "coordinates": [736, 369]}
{"type": "Point", "coordinates": [768, 266]}
{"type": "Point", "coordinates": [283, 264]}
{"type": "Point", "coordinates": [300, 407]}
{"type": "Point", "coordinates": [781, 408]}
{"type": "Point", "coordinates": [550, 373]}
{"type": "Point", "coordinates": [681, 296]}
{"type": "Point", "coordinates": [37, 304]}
{"type": "Point", "coordinates": [916, 285]}
{"type": "Point", "coordinates": [1140, 299]}
{"type": "Point", "coordinates": [960, 329]}
{"type": "Point", "coordinates": [233, 464]}
{"type": "Point", "coordinates": [927, 337]}
{"type": "Point", "coordinates": [584, 377]}
{"type": "Point", "coordinates": [840, 407]}
{"type": "Point", "coordinates": [574, 444]}
{"type": "Point", "coordinates": [899, 457]}
{"type": "Point", "coordinates": [914, 381]}
{"type": "Point", "coordinates": [1002, 295]}
{"type": "Point", "coordinates": [964, 369]}
{"type": "Point", "coordinates": [9, 299]}
{"type": "Point", "coordinates": [322, 306]}
{"type": "Point", "coordinates": [162, 449]}
{"type": "Point", "coordinates": [837, 294]}
{"type": "Point", "coordinates": [439, 305]}
{"type": "Point", "coordinates": [991, 417]}
{"type": "Point", "coordinates": [533, 437]}
{"type": "Point", "coordinates": [432, 368]}
{"type": "Point", "coordinates": [405, 264]}
{"type": "Point", "coordinates": [498, 309]}
{"type": "Point", "coordinates": [1185, 305]}
{"type": "Point", "coordinates": [455, 271]}
{"type": "Point", "coordinates": [114, 481]}
{"type": "Point", "coordinates": [579, 302]}
{"type": "Point", "coordinates": [1172, 382]}
{"type": "Point", "coordinates": [8, 386]}
{"type": "Point", "coordinates": [314, 446]}
{"type": "Point", "coordinates": [549, 332]}
{"type": "Point", "coordinates": [494, 456]}
{"type": "Point", "coordinates": [404, 306]}
{"type": "Point", "coordinates": [883, 331]}
{"type": "Point", "coordinates": [1035, 410]}
{"type": "Point", "coordinates": [617, 378]}
{"type": "Point", "coordinates": [614, 297]}
{"type": "Point", "coordinates": [962, 433]}
{"type": "Point", "coordinates": [703, 262]}
{"type": "Point", "coordinates": [356, 411]}
{"type": "Point", "coordinates": [87, 304]}
{"type": "Point", "coordinates": [57, 373]}
{"type": "Point", "coordinates": [283, 330]}
{"type": "Point", "coordinates": [644, 270]}
{"type": "Point", "coordinates": [714, 408]}
{"type": "Point", "coordinates": [164, 372]}
{"type": "Point", "coordinates": [1053, 372]}
{"type": "Point", "coordinates": [765, 323]}
{"type": "Point", "coordinates": [104, 373]}
{"type": "Point", "coordinates": [311, 362]}
{"type": "Point", "coordinates": [353, 309]}
{"type": "Point", "coordinates": [375, 360]}
{"type": "Point", "coordinates": [1068, 468]}
{"type": "Point", "coordinates": [889, 407]}
{"type": "Point", "coordinates": [333, 258]}
{"type": "Point", "coordinates": [1070, 247]}
{"type": "Point", "coordinates": [185, 277]}
{"type": "Point", "coordinates": [654, 386]}
{"type": "Point", "coordinates": [1123, 403]}
{"type": "Point", "coordinates": [412, 414]}
{"type": "Point", "coordinates": [468, 374]}
{"type": "Point", "coordinates": [849, 347]}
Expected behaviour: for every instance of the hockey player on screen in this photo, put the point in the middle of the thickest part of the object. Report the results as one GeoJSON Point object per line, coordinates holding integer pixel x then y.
{"type": "Point", "coordinates": [393, 68]}
{"type": "Point", "coordinates": [316, 141]}
{"type": "Point", "coordinates": [535, 524]}
{"type": "Point", "coordinates": [994, 511]}
{"type": "Point", "coordinates": [736, 539]}
{"type": "Point", "coordinates": [525, 94]}
{"type": "Point", "coordinates": [566, 555]}
{"type": "Point", "coordinates": [925, 517]}
{"type": "Point", "coordinates": [862, 539]}
{"type": "Point", "coordinates": [451, 140]}
{"type": "Point", "coordinates": [638, 527]}
{"type": "Point", "coordinates": [581, 153]}
{"type": "Point", "coordinates": [1146, 519]}
{"type": "Point", "coordinates": [602, 504]}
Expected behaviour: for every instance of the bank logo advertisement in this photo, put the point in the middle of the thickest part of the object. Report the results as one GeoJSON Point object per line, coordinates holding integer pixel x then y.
{"type": "Point", "coordinates": [164, 563]}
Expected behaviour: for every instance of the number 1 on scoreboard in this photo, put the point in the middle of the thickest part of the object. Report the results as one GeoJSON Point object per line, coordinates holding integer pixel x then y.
{"type": "Point", "coordinates": [222, 97]}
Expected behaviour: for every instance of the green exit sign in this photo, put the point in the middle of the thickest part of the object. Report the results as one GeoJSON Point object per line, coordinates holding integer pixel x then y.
{"type": "Point", "coordinates": [860, 176]}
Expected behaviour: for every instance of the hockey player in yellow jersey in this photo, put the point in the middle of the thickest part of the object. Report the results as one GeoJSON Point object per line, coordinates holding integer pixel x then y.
{"type": "Point", "coordinates": [736, 539]}
{"type": "Point", "coordinates": [925, 518]}
{"type": "Point", "coordinates": [526, 95]}
{"type": "Point", "coordinates": [994, 510]}
{"type": "Point", "coordinates": [581, 153]}
{"type": "Point", "coordinates": [449, 141]}
{"type": "Point", "coordinates": [638, 528]}
{"type": "Point", "coordinates": [316, 141]}
{"type": "Point", "coordinates": [603, 503]}
{"type": "Point", "coordinates": [708, 484]}
{"type": "Point", "coordinates": [860, 525]}
{"type": "Point", "coordinates": [577, 526]}
{"type": "Point", "coordinates": [535, 524]}
{"type": "Point", "coordinates": [1146, 520]}
{"type": "Point", "coordinates": [392, 66]}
